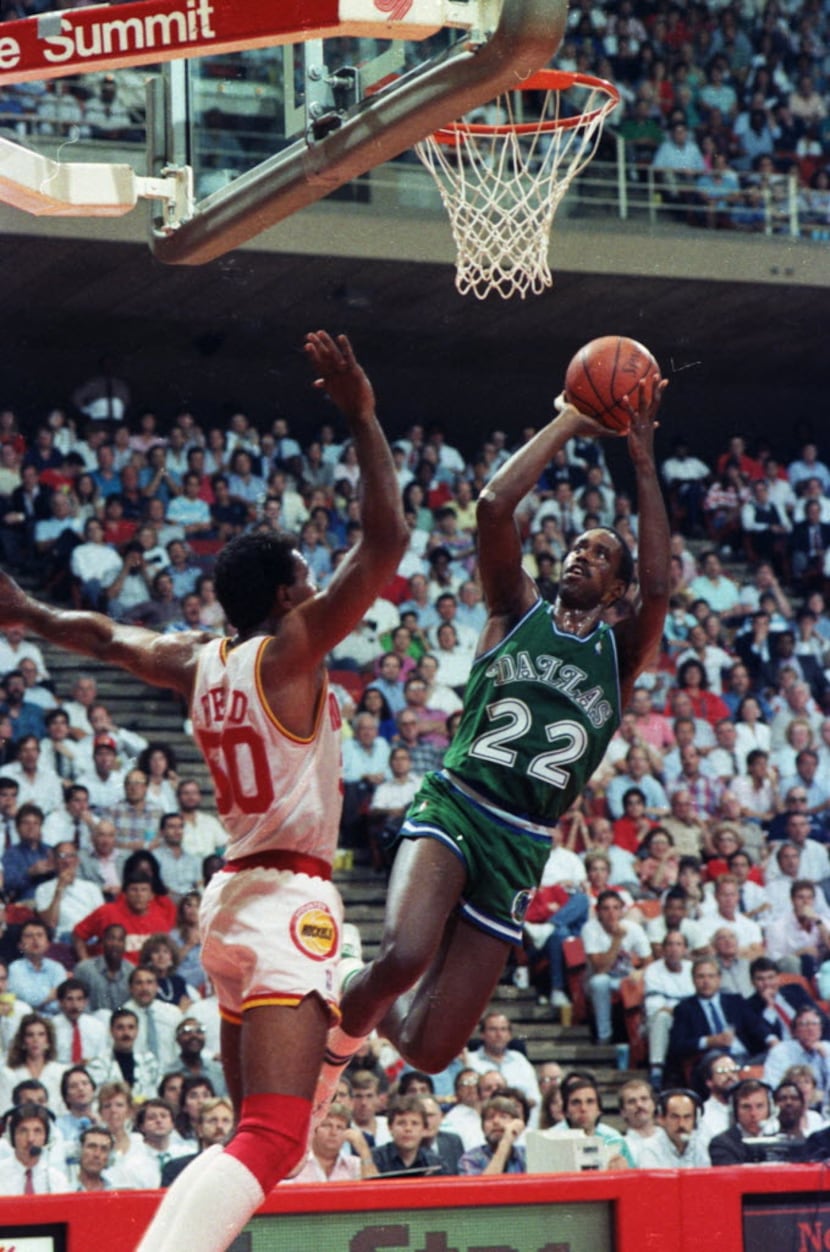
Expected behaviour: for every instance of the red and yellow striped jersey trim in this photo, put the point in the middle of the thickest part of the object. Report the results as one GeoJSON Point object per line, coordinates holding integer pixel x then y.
{"type": "Point", "coordinates": [280, 1001]}
{"type": "Point", "coordinates": [269, 712]}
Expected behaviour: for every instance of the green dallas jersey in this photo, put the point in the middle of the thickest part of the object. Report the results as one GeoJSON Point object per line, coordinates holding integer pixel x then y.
{"type": "Point", "coordinates": [539, 710]}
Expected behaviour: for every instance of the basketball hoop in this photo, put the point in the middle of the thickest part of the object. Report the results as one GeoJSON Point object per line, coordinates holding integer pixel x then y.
{"type": "Point", "coordinates": [502, 182]}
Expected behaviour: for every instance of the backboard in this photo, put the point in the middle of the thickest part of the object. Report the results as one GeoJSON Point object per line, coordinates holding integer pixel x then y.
{"type": "Point", "coordinates": [316, 92]}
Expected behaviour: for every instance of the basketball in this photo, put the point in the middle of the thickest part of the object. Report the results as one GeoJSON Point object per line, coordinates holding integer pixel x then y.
{"type": "Point", "coordinates": [605, 372]}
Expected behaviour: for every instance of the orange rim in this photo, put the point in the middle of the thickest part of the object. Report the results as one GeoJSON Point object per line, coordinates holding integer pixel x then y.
{"type": "Point", "coordinates": [542, 80]}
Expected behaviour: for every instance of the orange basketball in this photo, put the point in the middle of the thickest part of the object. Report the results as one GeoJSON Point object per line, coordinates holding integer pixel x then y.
{"type": "Point", "coordinates": [605, 372]}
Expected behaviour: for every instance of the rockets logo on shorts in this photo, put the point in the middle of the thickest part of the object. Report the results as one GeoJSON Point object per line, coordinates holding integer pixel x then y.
{"type": "Point", "coordinates": [314, 931]}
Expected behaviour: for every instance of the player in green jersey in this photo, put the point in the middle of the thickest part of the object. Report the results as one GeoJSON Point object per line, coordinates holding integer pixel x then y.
{"type": "Point", "coordinates": [542, 701]}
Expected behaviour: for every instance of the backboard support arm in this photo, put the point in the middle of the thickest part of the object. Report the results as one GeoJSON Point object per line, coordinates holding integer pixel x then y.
{"type": "Point", "coordinates": [506, 41]}
{"type": "Point", "coordinates": [383, 125]}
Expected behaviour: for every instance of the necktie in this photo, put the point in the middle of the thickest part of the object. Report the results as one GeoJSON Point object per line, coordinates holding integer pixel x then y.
{"type": "Point", "coordinates": [8, 832]}
{"type": "Point", "coordinates": [77, 832]}
{"type": "Point", "coordinates": [152, 1033]}
{"type": "Point", "coordinates": [29, 1184]}
{"type": "Point", "coordinates": [77, 1046]}
{"type": "Point", "coordinates": [715, 1017]}
{"type": "Point", "coordinates": [787, 1021]}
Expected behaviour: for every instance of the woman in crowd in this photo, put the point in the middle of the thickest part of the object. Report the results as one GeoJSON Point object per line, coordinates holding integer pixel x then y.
{"type": "Point", "coordinates": [751, 730]}
{"type": "Point", "coordinates": [374, 701]}
{"type": "Point", "coordinates": [160, 954]}
{"type": "Point", "coordinates": [32, 1055]}
{"type": "Point", "coordinates": [131, 1166]}
{"type": "Point", "coordinates": [195, 1090]}
{"type": "Point", "coordinates": [158, 762]}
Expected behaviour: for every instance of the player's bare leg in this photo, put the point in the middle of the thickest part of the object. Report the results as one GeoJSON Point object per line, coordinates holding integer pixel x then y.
{"type": "Point", "coordinates": [434, 973]}
{"type": "Point", "coordinates": [231, 1044]}
{"type": "Point", "coordinates": [278, 1052]}
{"type": "Point", "coordinates": [432, 1023]}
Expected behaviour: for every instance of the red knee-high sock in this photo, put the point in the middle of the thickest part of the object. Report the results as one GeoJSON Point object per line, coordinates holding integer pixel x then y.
{"type": "Point", "coordinates": [271, 1136]}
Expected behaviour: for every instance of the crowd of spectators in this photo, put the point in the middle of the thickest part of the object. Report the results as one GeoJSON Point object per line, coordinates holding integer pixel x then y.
{"type": "Point", "coordinates": [696, 861]}
{"type": "Point", "coordinates": [726, 102]}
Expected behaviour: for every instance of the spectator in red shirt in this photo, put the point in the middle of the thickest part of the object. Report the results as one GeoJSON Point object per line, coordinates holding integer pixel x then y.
{"type": "Point", "coordinates": [137, 909]}
{"type": "Point", "coordinates": [691, 679]}
{"type": "Point", "coordinates": [634, 825]}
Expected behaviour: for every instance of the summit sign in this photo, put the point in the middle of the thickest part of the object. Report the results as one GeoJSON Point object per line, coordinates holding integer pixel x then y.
{"type": "Point", "coordinates": [170, 31]}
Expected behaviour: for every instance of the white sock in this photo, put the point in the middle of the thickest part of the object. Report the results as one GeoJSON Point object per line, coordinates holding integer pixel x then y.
{"type": "Point", "coordinates": [207, 1206]}
{"type": "Point", "coordinates": [340, 1048]}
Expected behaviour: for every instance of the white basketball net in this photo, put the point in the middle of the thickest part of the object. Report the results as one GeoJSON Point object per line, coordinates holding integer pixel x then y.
{"type": "Point", "coordinates": [502, 191]}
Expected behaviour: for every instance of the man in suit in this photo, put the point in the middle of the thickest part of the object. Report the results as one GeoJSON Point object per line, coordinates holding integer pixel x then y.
{"type": "Point", "coordinates": [756, 649]}
{"type": "Point", "coordinates": [28, 504]}
{"type": "Point", "coordinates": [711, 1019]}
{"type": "Point", "coordinates": [215, 1124]}
{"type": "Point", "coordinates": [777, 1005]}
{"type": "Point", "coordinates": [751, 1107]}
{"type": "Point", "coordinates": [447, 1146]}
{"type": "Point", "coordinates": [809, 542]}
{"type": "Point", "coordinates": [805, 1048]}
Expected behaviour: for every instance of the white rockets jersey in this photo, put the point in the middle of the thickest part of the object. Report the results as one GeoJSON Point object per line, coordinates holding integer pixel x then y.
{"type": "Point", "coordinates": [273, 790]}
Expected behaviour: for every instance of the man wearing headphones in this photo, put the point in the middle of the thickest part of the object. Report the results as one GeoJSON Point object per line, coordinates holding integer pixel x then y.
{"type": "Point", "coordinates": [675, 1144]}
{"type": "Point", "coordinates": [26, 1171]}
{"type": "Point", "coordinates": [751, 1108]}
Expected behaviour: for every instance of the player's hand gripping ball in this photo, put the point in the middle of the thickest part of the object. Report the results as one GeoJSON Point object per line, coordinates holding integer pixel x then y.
{"type": "Point", "coordinates": [604, 373]}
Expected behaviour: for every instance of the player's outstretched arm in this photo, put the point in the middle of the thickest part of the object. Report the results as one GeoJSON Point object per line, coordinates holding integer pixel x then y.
{"type": "Point", "coordinates": [508, 590]}
{"type": "Point", "coordinates": [373, 561]}
{"type": "Point", "coordinates": [640, 636]}
{"type": "Point", "coordinates": [162, 660]}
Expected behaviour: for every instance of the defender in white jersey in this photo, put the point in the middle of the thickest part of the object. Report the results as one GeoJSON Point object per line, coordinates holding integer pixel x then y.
{"type": "Point", "coordinates": [265, 721]}
{"type": "Point", "coordinates": [279, 796]}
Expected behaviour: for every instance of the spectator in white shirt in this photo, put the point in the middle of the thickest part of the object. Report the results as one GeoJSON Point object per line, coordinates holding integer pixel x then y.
{"type": "Point", "coordinates": [27, 1171]}
{"type": "Point", "coordinates": [204, 834]}
{"type": "Point", "coordinates": [615, 949]}
{"type": "Point", "coordinates": [157, 1021]}
{"type": "Point", "coordinates": [813, 861]}
{"type": "Point", "coordinates": [727, 914]}
{"type": "Point", "coordinates": [128, 743]}
{"type": "Point", "coordinates": [63, 901]}
{"type": "Point", "coordinates": [666, 981]}
{"type": "Point", "coordinates": [78, 1035]}
{"type": "Point", "coordinates": [676, 1144]}
{"type": "Point", "coordinates": [36, 784]}
{"type": "Point", "coordinates": [155, 1122]}
{"type": "Point", "coordinates": [713, 658]}
{"type": "Point", "coordinates": [84, 694]}
{"type": "Point", "coordinates": [637, 1109]}
{"type": "Point", "coordinates": [495, 1053]}
{"type": "Point", "coordinates": [105, 782]}
{"type": "Point", "coordinates": [799, 941]}
{"type": "Point", "coordinates": [14, 646]}
{"type": "Point", "coordinates": [720, 1073]}
{"type": "Point", "coordinates": [59, 751]}
{"type": "Point", "coordinates": [131, 1165]}
{"type": "Point", "coordinates": [74, 822]}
